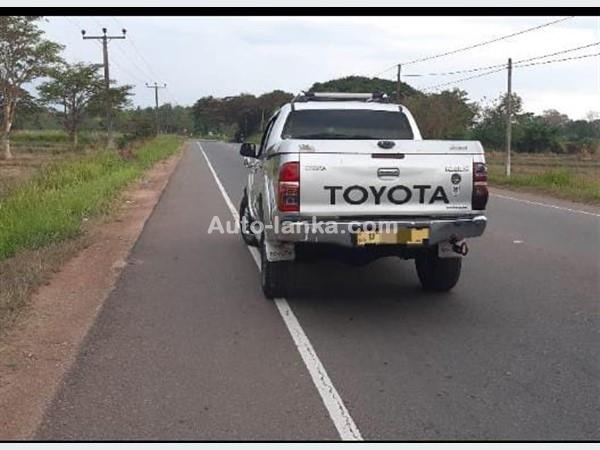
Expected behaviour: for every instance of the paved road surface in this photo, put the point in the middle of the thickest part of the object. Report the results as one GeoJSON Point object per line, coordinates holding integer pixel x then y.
{"type": "Point", "coordinates": [186, 347]}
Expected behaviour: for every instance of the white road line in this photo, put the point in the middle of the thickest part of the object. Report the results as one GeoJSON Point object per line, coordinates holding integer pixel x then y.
{"type": "Point", "coordinates": [547, 205]}
{"type": "Point", "coordinates": [334, 404]}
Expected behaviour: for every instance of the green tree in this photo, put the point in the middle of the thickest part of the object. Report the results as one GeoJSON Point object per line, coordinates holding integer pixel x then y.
{"type": "Point", "coordinates": [490, 129]}
{"type": "Point", "coordinates": [32, 114]}
{"type": "Point", "coordinates": [447, 115]}
{"type": "Point", "coordinates": [242, 115]}
{"type": "Point", "coordinates": [24, 56]}
{"type": "Point", "coordinates": [72, 88]}
{"type": "Point", "coordinates": [269, 102]}
{"type": "Point", "coordinates": [119, 97]}
{"type": "Point", "coordinates": [175, 119]}
{"type": "Point", "coordinates": [554, 118]}
{"type": "Point", "coordinates": [209, 115]}
{"type": "Point", "coordinates": [536, 134]}
{"type": "Point", "coordinates": [242, 111]}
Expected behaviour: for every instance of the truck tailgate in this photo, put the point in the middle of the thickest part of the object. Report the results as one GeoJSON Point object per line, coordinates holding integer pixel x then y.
{"type": "Point", "coordinates": [370, 184]}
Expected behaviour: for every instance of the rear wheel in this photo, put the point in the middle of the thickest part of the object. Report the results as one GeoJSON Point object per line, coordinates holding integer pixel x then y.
{"type": "Point", "coordinates": [247, 235]}
{"type": "Point", "coordinates": [435, 273]}
{"type": "Point", "coordinates": [274, 275]}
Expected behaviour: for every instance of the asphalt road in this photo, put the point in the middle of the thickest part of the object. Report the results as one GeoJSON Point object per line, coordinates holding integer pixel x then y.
{"type": "Point", "coordinates": [186, 347]}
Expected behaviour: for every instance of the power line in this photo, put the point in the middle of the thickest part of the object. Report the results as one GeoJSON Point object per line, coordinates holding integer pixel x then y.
{"type": "Point", "coordinates": [150, 73]}
{"type": "Point", "coordinates": [172, 97]}
{"type": "Point", "coordinates": [589, 55]}
{"type": "Point", "coordinates": [129, 60]}
{"type": "Point", "coordinates": [147, 73]}
{"type": "Point", "coordinates": [138, 53]}
{"type": "Point", "coordinates": [73, 22]}
{"type": "Point", "coordinates": [478, 69]}
{"type": "Point", "coordinates": [125, 70]}
{"type": "Point", "coordinates": [479, 44]}
{"type": "Point", "coordinates": [112, 59]}
{"type": "Point", "coordinates": [122, 66]}
{"type": "Point", "coordinates": [463, 79]}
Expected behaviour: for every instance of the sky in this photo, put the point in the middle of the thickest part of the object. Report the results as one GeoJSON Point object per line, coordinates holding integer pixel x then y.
{"type": "Point", "coordinates": [220, 56]}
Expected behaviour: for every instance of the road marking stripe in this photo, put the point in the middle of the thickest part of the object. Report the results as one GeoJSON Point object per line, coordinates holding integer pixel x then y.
{"type": "Point", "coordinates": [547, 205]}
{"type": "Point", "coordinates": [334, 404]}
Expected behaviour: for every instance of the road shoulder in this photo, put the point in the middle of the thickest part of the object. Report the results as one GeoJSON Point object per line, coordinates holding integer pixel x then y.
{"type": "Point", "coordinates": [40, 348]}
{"type": "Point", "coordinates": [543, 200]}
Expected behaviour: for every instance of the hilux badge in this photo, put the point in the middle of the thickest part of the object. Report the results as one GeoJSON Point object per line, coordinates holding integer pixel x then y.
{"type": "Point", "coordinates": [306, 147]}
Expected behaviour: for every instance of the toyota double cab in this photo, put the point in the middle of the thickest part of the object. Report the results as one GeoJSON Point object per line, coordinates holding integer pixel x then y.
{"type": "Point", "coordinates": [350, 175]}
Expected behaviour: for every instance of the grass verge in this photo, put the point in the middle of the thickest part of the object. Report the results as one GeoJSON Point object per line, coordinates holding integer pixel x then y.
{"type": "Point", "coordinates": [41, 221]}
{"type": "Point", "coordinates": [565, 183]}
{"type": "Point", "coordinates": [50, 207]}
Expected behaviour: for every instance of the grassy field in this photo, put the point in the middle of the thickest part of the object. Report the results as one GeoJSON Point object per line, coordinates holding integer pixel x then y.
{"type": "Point", "coordinates": [50, 206]}
{"type": "Point", "coordinates": [568, 177]}
{"type": "Point", "coordinates": [54, 141]}
{"type": "Point", "coordinates": [35, 149]}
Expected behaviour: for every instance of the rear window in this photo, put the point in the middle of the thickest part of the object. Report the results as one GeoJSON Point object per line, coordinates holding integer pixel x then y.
{"type": "Point", "coordinates": [346, 124]}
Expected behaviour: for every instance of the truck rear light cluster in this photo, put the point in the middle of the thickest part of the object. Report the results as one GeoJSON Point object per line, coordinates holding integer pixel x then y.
{"type": "Point", "coordinates": [480, 194]}
{"type": "Point", "coordinates": [288, 199]}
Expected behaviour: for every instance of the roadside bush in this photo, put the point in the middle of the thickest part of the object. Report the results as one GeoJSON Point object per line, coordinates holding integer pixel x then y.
{"type": "Point", "coordinates": [589, 146]}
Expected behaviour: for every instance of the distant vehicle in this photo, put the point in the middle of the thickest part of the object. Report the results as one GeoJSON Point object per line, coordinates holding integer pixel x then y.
{"type": "Point", "coordinates": [358, 164]}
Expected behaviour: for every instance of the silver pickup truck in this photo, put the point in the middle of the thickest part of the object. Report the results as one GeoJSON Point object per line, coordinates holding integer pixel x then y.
{"type": "Point", "coordinates": [349, 176]}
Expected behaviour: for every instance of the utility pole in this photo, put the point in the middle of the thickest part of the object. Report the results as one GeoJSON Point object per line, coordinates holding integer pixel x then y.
{"type": "Point", "coordinates": [509, 117]}
{"type": "Point", "coordinates": [104, 38]}
{"type": "Point", "coordinates": [156, 87]}
{"type": "Point", "coordinates": [398, 95]}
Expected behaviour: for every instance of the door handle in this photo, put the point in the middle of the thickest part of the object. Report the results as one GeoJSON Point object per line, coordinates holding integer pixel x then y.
{"type": "Point", "coordinates": [388, 172]}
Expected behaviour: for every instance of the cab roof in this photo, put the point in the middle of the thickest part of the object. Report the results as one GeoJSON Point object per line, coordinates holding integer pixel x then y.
{"type": "Point", "coordinates": [346, 104]}
{"type": "Point", "coordinates": [343, 100]}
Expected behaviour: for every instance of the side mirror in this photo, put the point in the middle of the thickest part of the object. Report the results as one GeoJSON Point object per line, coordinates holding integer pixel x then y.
{"type": "Point", "coordinates": [248, 149]}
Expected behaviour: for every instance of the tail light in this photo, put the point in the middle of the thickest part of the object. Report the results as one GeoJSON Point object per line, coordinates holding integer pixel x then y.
{"type": "Point", "coordinates": [480, 194]}
{"type": "Point", "coordinates": [289, 187]}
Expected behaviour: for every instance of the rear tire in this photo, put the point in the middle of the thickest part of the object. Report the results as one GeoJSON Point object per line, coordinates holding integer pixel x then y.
{"type": "Point", "coordinates": [435, 273]}
{"type": "Point", "coordinates": [274, 275]}
{"type": "Point", "coordinates": [248, 237]}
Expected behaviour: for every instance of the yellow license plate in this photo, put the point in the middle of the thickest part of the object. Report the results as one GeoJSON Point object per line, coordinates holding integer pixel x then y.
{"type": "Point", "coordinates": [409, 236]}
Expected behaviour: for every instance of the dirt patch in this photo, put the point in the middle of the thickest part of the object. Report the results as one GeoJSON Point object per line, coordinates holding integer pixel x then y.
{"type": "Point", "coordinates": [26, 271]}
{"type": "Point", "coordinates": [40, 347]}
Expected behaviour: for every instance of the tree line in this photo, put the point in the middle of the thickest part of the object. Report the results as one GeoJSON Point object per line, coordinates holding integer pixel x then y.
{"type": "Point", "coordinates": [445, 115]}
{"type": "Point", "coordinates": [72, 96]}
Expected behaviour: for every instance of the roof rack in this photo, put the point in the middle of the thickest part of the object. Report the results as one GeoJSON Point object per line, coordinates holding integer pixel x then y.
{"type": "Point", "coordinates": [379, 97]}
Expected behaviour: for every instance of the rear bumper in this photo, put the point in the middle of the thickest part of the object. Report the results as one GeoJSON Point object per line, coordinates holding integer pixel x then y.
{"type": "Point", "coordinates": [343, 232]}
